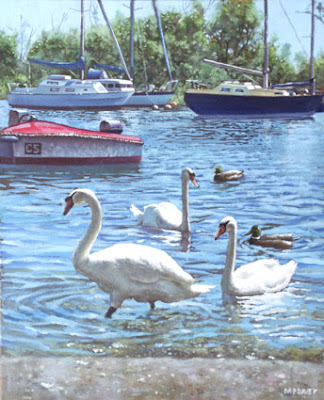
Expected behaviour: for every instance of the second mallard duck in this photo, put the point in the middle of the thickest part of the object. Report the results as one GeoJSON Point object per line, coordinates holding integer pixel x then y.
{"type": "Point", "coordinates": [277, 240]}
{"type": "Point", "coordinates": [224, 176]}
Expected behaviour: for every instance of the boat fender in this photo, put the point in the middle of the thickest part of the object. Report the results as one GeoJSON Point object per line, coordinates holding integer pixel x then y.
{"type": "Point", "coordinates": [10, 139]}
{"type": "Point", "coordinates": [18, 116]}
{"type": "Point", "coordinates": [27, 118]}
{"type": "Point", "coordinates": [112, 126]}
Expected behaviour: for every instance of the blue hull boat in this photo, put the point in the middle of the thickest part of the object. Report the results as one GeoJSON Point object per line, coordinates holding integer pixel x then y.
{"type": "Point", "coordinates": [246, 101]}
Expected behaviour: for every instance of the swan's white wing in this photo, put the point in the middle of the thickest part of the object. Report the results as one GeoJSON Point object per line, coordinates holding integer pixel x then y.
{"type": "Point", "coordinates": [163, 215]}
{"type": "Point", "coordinates": [264, 276]}
{"type": "Point", "coordinates": [141, 264]}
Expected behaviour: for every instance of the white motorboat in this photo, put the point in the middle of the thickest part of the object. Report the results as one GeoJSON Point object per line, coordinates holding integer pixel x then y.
{"type": "Point", "coordinates": [62, 92]}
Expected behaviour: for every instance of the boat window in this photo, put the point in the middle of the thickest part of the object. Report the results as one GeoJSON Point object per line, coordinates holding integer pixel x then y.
{"type": "Point", "coordinates": [225, 89]}
{"type": "Point", "coordinates": [239, 90]}
{"type": "Point", "coordinates": [111, 85]}
{"type": "Point", "coordinates": [70, 90]}
{"type": "Point", "coordinates": [54, 89]}
{"type": "Point", "coordinates": [118, 85]}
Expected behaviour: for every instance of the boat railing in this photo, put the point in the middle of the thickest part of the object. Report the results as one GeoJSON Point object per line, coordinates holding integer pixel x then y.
{"type": "Point", "coordinates": [171, 86]}
{"type": "Point", "coordinates": [15, 85]}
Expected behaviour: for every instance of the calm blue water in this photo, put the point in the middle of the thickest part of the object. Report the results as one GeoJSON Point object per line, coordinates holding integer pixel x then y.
{"type": "Point", "coordinates": [49, 309]}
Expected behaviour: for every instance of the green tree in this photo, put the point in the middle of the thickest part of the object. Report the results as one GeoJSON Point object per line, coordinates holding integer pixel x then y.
{"type": "Point", "coordinates": [234, 34]}
{"type": "Point", "coordinates": [54, 46]}
{"type": "Point", "coordinates": [9, 63]}
{"type": "Point", "coordinates": [303, 69]}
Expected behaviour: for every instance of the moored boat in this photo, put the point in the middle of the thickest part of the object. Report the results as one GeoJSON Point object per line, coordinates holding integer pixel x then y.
{"type": "Point", "coordinates": [244, 100]}
{"type": "Point", "coordinates": [149, 95]}
{"type": "Point", "coordinates": [97, 91]}
{"type": "Point", "coordinates": [62, 92]}
{"type": "Point", "coordinates": [38, 142]}
{"type": "Point", "coordinates": [237, 100]}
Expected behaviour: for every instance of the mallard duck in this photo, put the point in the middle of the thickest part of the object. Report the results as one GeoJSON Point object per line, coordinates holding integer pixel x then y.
{"type": "Point", "coordinates": [223, 176]}
{"type": "Point", "coordinates": [276, 240]}
{"type": "Point", "coordinates": [259, 277]}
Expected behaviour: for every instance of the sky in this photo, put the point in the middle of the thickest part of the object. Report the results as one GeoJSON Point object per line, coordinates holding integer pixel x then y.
{"type": "Point", "coordinates": [36, 15]}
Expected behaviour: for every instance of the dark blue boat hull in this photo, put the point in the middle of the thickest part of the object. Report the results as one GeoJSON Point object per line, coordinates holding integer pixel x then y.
{"type": "Point", "coordinates": [217, 106]}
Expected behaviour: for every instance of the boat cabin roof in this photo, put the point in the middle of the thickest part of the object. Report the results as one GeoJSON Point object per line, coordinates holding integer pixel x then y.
{"type": "Point", "coordinates": [238, 88]}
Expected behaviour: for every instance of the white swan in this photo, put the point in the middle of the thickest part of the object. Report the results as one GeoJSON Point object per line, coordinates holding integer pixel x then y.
{"type": "Point", "coordinates": [166, 215]}
{"type": "Point", "coordinates": [262, 276]}
{"type": "Point", "coordinates": [128, 271]}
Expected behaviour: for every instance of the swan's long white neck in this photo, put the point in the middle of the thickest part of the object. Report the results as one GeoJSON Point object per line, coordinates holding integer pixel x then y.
{"type": "Point", "coordinates": [227, 278]}
{"type": "Point", "coordinates": [86, 243]}
{"type": "Point", "coordinates": [185, 224]}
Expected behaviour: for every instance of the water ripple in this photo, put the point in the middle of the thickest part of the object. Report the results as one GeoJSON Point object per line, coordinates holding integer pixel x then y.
{"type": "Point", "coordinates": [48, 308]}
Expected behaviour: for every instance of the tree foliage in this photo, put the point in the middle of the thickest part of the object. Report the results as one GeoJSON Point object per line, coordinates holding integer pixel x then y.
{"type": "Point", "coordinates": [9, 62]}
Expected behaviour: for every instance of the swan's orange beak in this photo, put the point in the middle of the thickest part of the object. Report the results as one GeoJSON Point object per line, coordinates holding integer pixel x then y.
{"type": "Point", "coordinates": [221, 230]}
{"type": "Point", "coordinates": [193, 180]}
{"type": "Point", "coordinates": [68, 205]}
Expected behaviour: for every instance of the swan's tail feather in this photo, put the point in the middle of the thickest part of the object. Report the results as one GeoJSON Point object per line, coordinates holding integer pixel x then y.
{"type": "Point", "coordinates": [138, 214]}
{"type": "Point", "coordinates": [292, 265]}
{"type": "Point", "coordinates": [201, 288]}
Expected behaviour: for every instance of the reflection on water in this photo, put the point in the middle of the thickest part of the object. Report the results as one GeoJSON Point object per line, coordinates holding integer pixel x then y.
{"type": "Point", "coordinates": [50, 309]}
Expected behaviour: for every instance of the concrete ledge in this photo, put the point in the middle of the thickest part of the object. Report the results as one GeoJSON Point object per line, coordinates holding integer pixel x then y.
{"type": "Point", "coordinates": [100, 378]}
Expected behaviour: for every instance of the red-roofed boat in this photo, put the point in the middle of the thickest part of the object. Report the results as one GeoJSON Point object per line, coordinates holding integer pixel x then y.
{"type": "Point", "coordinates": [37, 142]}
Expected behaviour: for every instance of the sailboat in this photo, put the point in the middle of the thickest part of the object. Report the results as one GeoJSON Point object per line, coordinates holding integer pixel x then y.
{"type": "Point", "coordinates": [97, 91]}
{"type": "Point", "coordinates": [245, 100]}
{"type": "Point", "coordinates": [150, 96]}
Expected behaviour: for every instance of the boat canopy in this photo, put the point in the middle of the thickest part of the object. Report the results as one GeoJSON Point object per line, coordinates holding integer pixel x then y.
{"type": "Point", "coordinates": [96, 74]}
{"type": "Point", "coordinates": [79, 64]}
{"type": "Point", "coordinates": [110, 67]}
{"type": "Point", "coordinates": [292, 84]}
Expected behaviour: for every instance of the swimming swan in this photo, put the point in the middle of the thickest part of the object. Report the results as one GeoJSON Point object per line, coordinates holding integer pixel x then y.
{"type": "Point", "coordinates": [262, 276]}
{"type": "Point", "coordinates": [126, 270]}
{"type": "Point", "coordinates": [166, 215]}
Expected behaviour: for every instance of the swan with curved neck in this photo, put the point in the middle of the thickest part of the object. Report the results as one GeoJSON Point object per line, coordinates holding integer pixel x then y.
{"type": "Point", "coordinates": [166, 215]}
{"type": "Point", "coordinates": [262, 276]}
{"type": "Point", "coordinates": [126, 270]}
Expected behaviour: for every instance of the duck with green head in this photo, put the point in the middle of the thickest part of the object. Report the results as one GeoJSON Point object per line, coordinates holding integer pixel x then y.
{"type": "Point", "coordinates": [224, 176]}
{"type": "Point", "coordinates": [276, 240]}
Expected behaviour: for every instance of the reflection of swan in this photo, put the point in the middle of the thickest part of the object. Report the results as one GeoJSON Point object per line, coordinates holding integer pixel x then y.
{"type": "Point", "coordinates": [255, 278]}
{"type": "Point", "coordinates": [128, 271]}
{"type": "Point", "coordinates": [276, 240]}
{"type": "Point", "coordinates": [166, 215]}
{"type": "Point", "coordinates": [224, 176]}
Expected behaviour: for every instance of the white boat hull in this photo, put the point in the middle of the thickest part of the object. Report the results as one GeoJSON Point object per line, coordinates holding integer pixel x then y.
{"type": "Point", "coordinates": [69, 101]}
{"type": "Point", "coordinates": [67, 151]}
{"type": "Point", "coordinates": [142, 99]}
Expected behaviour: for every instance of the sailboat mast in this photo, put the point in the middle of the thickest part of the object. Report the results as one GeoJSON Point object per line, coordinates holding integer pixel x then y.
{"type": "Point", "coordinates": [82, 37]}
{"type": "Point", "coordinates": [115, 39]}
{"type": "Point", "coordinates": [311, 62]}
{"type": "Point", "coordinates": [266, 53]}
{"type": "Point", "coordinates": [162, 38]}
{"type": "Point", "coordinates": [132, 18]}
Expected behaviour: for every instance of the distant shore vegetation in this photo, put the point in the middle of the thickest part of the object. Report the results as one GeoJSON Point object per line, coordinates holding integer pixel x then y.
{"type": "Point", "coordinates": [232, 33]}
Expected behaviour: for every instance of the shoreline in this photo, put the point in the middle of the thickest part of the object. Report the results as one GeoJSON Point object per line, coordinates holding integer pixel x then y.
{"type": "Point", "coordinates": [92, 378]}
